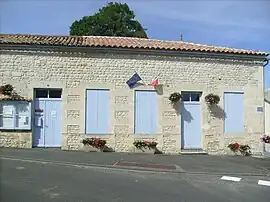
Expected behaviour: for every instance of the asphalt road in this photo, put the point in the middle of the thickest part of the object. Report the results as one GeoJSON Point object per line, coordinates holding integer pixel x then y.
{"type": "Point", "coordinates": [26, 181]}
{"type": "Point", "coordinates": [190, 163]}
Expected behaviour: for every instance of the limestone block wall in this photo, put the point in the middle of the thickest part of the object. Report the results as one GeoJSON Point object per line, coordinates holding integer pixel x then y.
{"type": "Point", "coordinates": [16, 139]}
{"type": "Point", "coordinates": [75, 72]}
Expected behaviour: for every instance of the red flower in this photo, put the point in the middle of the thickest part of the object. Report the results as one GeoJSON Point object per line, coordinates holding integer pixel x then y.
{"type": "Point", "coordinates": [237, 145]}
{"type": "Point", "coordinates": [96, 140]}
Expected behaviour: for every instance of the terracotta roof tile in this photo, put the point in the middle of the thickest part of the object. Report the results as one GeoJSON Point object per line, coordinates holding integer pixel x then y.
{"type": "Point", "coordinates": [119, 42]}
{"type": "Point", "coordinates": [15, 97]}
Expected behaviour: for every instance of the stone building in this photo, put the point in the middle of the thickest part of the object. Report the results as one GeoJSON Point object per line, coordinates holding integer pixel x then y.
{"type": "Point", "coordinates": [69, 88]}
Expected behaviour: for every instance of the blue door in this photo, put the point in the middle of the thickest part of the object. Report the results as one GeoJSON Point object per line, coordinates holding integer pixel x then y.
{"type": "Point", "coordinates": [191, 131]}
{"type": "Point", "coordinates": [47, 121]}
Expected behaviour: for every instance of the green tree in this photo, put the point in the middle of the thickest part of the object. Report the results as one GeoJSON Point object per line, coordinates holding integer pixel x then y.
{"type": "Point", "coordinates": [114, 19]}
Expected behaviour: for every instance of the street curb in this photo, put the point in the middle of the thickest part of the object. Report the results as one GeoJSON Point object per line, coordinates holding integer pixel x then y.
{"type": "Point", "coordinates": [267, 154]}
{"type": "Point", "coordinates": [129, 168]}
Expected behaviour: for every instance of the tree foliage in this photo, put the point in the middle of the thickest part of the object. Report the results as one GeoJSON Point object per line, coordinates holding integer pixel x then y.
{"type": "Point", "coordinates": [114, 19]}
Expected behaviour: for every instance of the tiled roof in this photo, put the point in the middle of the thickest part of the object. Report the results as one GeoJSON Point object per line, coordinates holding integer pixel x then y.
{"type": "Point", "coordinates": [118, 42]}
{"type": "Point", "coordinates": [15, 97]}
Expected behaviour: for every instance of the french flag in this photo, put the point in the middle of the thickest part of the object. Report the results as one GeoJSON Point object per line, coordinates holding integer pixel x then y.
{"type": "Point", "coordinates": [155, 82]}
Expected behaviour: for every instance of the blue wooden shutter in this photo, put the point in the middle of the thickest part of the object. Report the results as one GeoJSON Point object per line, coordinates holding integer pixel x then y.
{"type": "Point", "coordinates": [103, 111]}
{"type": "Point", "coordinates": [146, 112]}
{"type": "Point", "coordinates": [234, 112]}
{"type": "Point", "coordinates": [97, 111]}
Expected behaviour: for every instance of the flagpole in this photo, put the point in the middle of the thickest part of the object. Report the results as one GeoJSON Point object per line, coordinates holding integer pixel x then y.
{"type": "Point", "coordinates": [140, 77]}
{"type": "Point", "coordinates": [155, 78]}
{"type": "Point", "coordinates": [143, 82]}
{"type": "Point", "coordinates": [158, 75]}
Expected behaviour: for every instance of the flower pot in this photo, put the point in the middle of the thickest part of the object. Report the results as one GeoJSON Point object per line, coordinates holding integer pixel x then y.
{"type": "Point", "coordinates": [175, 97]}
{"type": "Point", "coordinates": [266, 147]}
{"type": "Point", "coordinates": [89, 148]}
{"type": "Point", "coordinates": [145, 150]}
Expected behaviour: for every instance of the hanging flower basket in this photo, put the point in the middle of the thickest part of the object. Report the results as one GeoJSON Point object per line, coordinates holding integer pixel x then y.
{"type": "Point", "coordinates": [6, 89]}
{"type": "Point", "coordinates": [212, 99]}
{"type": "Point", "coordinates": [266, 139]}
{"type": "Point", "coordinates": [175, 97]}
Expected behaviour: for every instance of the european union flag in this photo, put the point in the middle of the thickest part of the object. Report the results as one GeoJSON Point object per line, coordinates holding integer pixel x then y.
{"type": "Point", "coordinates": [133, 80]}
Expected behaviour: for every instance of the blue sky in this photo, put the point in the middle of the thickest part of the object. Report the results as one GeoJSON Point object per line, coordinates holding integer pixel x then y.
{"type": "Point", "coordinates": [238, 23]}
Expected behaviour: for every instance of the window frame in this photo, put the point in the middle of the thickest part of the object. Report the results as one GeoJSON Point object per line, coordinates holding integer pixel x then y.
{"type": "Point", "coordinates": [190, 96]}
{"type": "Point", "coordinates": [48, 91]}
{"type": "Point", "coordinates": [15, 115]}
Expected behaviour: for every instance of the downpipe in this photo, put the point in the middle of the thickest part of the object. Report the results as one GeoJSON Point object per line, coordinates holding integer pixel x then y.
{"type": "Point", "coordinates": [266, 62]}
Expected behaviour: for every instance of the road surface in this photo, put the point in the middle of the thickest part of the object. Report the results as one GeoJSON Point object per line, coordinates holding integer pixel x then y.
{"type": "Point", "coordinates": [27, 181]}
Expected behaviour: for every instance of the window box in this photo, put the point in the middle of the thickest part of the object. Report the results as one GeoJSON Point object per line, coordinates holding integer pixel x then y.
{"type": "Point", "coordinates": [15, 115]}
{"type": "Point", "coordinates": [89, 148]}
{"type": "Point", "coordinates": [266, 147]}
{"type": "Point", "coordinates": [94, 144]}
{"type": "Point", "coordinates": [142, 146]}
{"type": "Point", "coordinates": [144, 150]}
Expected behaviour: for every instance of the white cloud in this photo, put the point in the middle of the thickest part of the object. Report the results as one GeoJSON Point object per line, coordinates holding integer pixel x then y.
{"type": "Point", "coordinates": [235, 21]}
{"type": "Point", "coordinates": [244, 14]}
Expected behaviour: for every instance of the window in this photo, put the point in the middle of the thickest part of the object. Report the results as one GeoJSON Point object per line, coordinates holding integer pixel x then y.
{"type": "Point", "coordinates": [48, 93]}
{"type": "Point", "coordinates": [97, 111]}
{"type": "Point", "coordinates": [55, 93]}
{"type": "Point", "coordinates": [146, 112]}
{"type": "Point", "coordinates": [41, 93]}
{"type": "Point", "coordinates": [191, 96]}
{"type": "Point", "coordinates": [234, 112]}
{"type": "Point", "coordinates": [15, 115]}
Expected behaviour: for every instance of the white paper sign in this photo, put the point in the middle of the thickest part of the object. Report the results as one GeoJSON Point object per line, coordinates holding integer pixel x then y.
{"type": "Point", "coordinates": [8, 109]}
{"type": "Point", "coordinates": [53, 114]}
{"type": "Point", "coordinates": [23, 120]}
{"type": "Point", "coordinates": [7, 117]}
{"type": "Point", "coordinates": [38, 121]}
{"type": "Point", "coordinates": [8, 122]}
{"type": "Point", "coordinates": [259, 109]}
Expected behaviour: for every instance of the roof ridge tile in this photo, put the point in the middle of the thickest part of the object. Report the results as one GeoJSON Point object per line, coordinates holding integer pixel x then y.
{"type": "Point", "coordinates": [120, 42]}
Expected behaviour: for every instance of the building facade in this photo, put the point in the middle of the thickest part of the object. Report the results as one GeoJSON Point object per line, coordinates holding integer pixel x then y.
{"type": "Point", "coordinates": [70, 88]}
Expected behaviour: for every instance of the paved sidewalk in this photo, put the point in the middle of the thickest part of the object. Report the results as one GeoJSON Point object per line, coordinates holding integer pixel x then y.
{"type": "Point", "coordinates": [184, 163]}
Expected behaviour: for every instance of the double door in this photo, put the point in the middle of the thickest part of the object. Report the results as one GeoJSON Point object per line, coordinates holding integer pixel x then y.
{"type": "Point", "coordinates": [47, 122]}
